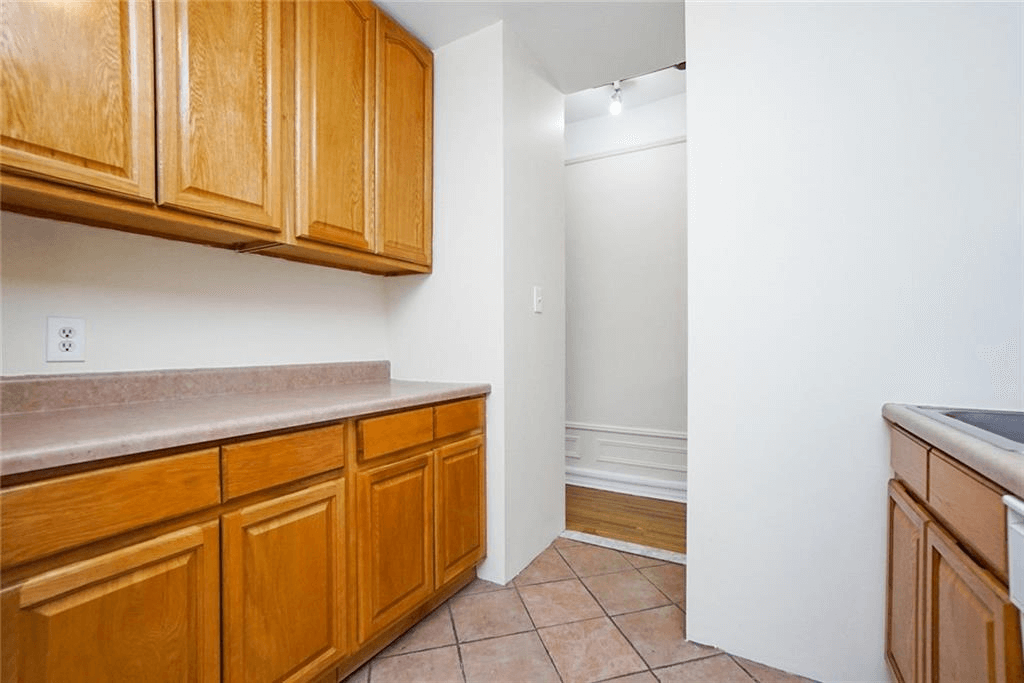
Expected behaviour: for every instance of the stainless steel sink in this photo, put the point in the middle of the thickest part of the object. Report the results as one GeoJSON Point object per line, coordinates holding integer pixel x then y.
{"type": "Point", "coordinates": [1002, 428]}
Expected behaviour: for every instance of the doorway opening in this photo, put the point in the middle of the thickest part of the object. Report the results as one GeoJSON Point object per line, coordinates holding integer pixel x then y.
{"type": "Point", "coordinates": [625, 439]}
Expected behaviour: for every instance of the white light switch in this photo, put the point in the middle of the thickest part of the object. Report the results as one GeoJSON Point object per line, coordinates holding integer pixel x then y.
{"type": "Point", "coordinates": [538, 299]}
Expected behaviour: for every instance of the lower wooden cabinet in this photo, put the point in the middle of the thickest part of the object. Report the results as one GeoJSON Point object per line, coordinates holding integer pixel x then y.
{"type": "Point", "coordinates": [284, 586]}
{"type": "Point", "coordinates": [395, 541]}
{"type": "Point", "coordinates": [148, 612]}
{"type": "Point", "coordinates": [904, 618]}
{"type": "Point", "coordinates": [460, 536]}
{"type": "Point", "coordinates": [948, 619]}
{"type": "Point", "coordinates": [971, 627]}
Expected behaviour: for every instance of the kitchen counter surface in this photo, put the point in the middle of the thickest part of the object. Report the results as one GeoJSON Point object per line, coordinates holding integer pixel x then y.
{"type": "Point", "coordinates": [1005, 468]}
{"type": "Point", "coordinates": [33, 441]}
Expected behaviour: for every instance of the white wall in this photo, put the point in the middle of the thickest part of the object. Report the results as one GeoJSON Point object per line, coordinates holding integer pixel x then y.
{"type": "Point", "coordinates": [626, 302]}
{"type": "Point", "coordinates": [498, 230]}
{"type": "Point", "coordinates": [534, 139]}
{"type": "Point", "coordinates": [855, 237]}
{"type": "Point", "coordinates": [151, 303]}
{"type": "Point", "coordinates": [450, 325]}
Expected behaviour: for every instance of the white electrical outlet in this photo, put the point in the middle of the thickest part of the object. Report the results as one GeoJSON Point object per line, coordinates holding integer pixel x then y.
{"type": "Point", "coordinates": [65, 340]}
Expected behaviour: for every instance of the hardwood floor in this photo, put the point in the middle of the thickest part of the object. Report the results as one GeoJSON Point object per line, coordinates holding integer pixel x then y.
{"type": "Point", "coordinates": [647, 521]}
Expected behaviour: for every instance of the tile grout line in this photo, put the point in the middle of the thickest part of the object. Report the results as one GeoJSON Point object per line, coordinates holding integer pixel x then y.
{"type": "Point", "coordinates": [539, 637]}
{"type": "Point", "coordinates": [609, 617]}
{"type": "Point", "coordinates": [743, 668]}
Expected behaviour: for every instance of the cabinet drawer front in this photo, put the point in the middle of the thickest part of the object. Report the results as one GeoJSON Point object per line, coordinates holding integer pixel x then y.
{"type": "Point", "coordinates": [46, 517]}
{"type": "Point", "coordinates": [910, 461]}
{"type": "Point", "coordinates": [456, 418]}
{"type": "Point", "coordinates": [971, 508]}
{"type": "Point", "coordinates": [262, 463]}
{"type": "Point", "coordinates": [380, 436]}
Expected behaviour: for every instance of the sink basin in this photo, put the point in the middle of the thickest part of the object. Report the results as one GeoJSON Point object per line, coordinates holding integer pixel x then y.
{"type": "Point", "coordinates": [1002, 428]}
{"type": "Point", "coordinates": [1008, 425]}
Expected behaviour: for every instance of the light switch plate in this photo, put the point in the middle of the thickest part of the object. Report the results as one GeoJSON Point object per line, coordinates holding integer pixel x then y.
{"type": "Point", "coordinates": [538, 299]}
{"type": "Point", "coordinates": [65, 340]}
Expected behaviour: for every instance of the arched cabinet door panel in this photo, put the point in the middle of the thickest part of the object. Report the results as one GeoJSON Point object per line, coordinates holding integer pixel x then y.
{"type": "Point", "coordinates": [405, 121]}
{"type": "Point", "coordinates": [78, 94]}
{"type": "Point", "coordinates": [219, 76]}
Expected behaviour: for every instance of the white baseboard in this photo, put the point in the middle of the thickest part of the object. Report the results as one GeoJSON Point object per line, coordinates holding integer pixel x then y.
{"type": "Point", "coordinates": [626, 483]}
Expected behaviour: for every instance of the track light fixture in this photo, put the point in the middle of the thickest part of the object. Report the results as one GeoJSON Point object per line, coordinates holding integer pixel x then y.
{"type": "Point", "coordinates": [615, 108]}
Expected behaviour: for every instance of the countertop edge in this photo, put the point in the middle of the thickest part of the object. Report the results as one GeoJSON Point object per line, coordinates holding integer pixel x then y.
{"type": "Point", "coordinates": [1002, 467]}
{"type": "Point", "coordinates": [27, 460]}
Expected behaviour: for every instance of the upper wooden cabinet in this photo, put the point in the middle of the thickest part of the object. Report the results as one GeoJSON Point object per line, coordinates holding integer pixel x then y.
{"type": "Point", "coordinates": [78, 94]}
{"type": "Point", "coordinates": [219, 88]}
{"type": "Point", "coordinates": [334, 99]}
{"type": "Point", "coordinates": [405, 124]}
{"type": "Point", "coordinates": [294, 129]}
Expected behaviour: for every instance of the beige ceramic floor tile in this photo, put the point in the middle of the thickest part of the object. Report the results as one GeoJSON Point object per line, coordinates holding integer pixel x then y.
{"type": "Point", "coordinates": [766, 674]}
{"type": "Point", "coordinates": [548, 566]}
{"type": "Point", "coordinates": [642, 677]}
{"type": "Point", "coordinates": [641, 561]}
{"type": "Point", "coordinates": [590, 560]}
{"type": "Point", "coordinates": [561, 543]}
{"type": "Point", "coordinates": [628, 591]}
{"type": "Point", "coordinates": [719, 669]}
{"type": "Point", "coordinates": [431, 666]}
{"type": "Point", "coordinates": [658, 636]}
{"type": "Point", "coordinates": [592, 650]}
{"type": "Point", "coordinates": [520, 657]}
{"type": "Point", "coordinates": [671, 579]}
{"type": "Point", "coordinates": [480, 586]}
{"type": "Point", "coordinates": [433, 631]}
{"type": "Point", "coordinates": [559, 602]}
{"type": "Point", "coordinates": [486, 615]}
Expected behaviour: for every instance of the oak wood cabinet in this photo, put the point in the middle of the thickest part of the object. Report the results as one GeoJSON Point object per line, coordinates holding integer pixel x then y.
{"type": "Point", "coordinates": [971, 628]}
{"type": "Point", "coordinates": [284, 586]}
{"type": "Point", "coordinates": [405, 124]}
{"type": "Point", "coordinates": [78, 95]}
{"type": "Point", "coordinates": [147, 612]}
{"type": "Point", "coordinates": [290, 556]}
{"type": "Point", "coordinates": [396, 539]}
{"type": "Point", "coordinates": [948, 615]}
{"type": "Point", "coordinates": [335, 95]}
{"type": "Point", "coordinates": [460, 536]}
{"type": "Point", "coordinates": [219, 105]}
{"type": "Point", "coordinates": [301, 130]}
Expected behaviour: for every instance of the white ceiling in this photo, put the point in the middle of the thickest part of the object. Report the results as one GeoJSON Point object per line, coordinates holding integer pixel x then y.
{"type": "Point", "coordinates": [581, 44]}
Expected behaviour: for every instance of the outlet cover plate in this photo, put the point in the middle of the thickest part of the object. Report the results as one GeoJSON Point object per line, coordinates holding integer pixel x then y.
{"type": "Point", "coordinates": [65, 340]}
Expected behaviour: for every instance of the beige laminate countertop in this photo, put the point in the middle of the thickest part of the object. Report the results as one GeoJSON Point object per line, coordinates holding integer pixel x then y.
{"type": "Point", "coordinates": [1004, 467]}
{"type": "Point", "coordinates": [33, 441]}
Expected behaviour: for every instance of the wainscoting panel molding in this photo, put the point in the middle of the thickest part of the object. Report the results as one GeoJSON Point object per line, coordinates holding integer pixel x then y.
{"type": "Point", "coordinates": [638, 461]}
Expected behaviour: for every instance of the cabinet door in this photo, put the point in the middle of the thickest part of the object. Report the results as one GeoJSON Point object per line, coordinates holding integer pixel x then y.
{"type": "Point", "coordinates": [149, 612]}
{"type": "Point", "coordinates": [334, 44]}
{"type": "Point", "coordinates": [405, 110]}
{"type": "Point", "coordinates": [460, 539]}
{"type": "Point", "coordinates": [284, 587]}
{"type": "Point", "coordinates": [395, 541]}
{"type": "Point", "coordinates": [219, 84]}
{"type": "Point", "coordinates": [904, 616]}
{"type": "Point", "coordinates": [971, 628]}
{"type": "Point", "coordinates": [78, 93]}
